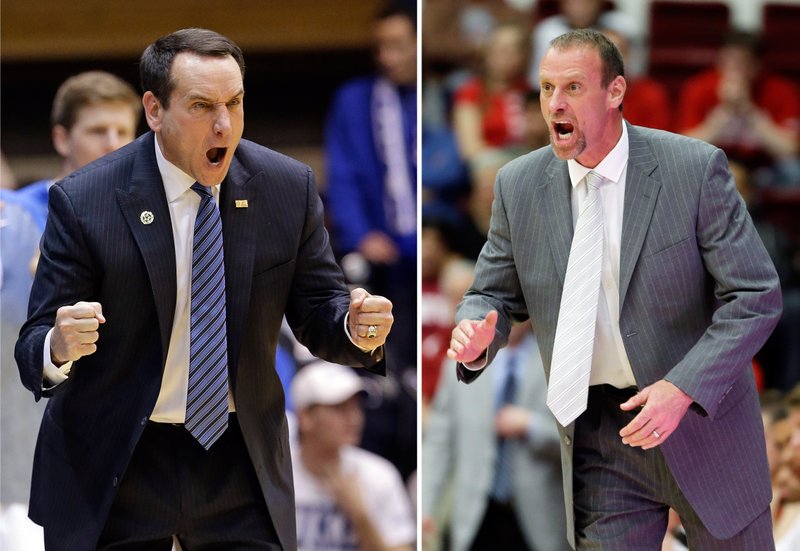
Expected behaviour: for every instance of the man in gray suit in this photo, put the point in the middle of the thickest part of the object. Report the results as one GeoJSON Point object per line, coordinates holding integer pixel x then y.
{"type": "Point", "coordinates": [656, 400]}
{"type": "Point", "coordinates": [467, 431]}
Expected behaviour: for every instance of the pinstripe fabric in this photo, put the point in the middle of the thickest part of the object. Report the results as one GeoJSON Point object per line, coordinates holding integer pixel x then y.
{"type": "Point", "coordinates": [577, 313]}
{"type": "Point", "coordinates": [96, 248]}
{"type": "Point", "coordinates": [207, 393]}
{"type": "Point", "coordinates": [698, 297]}
{"type": "Point", "coordinates": [623, 505]}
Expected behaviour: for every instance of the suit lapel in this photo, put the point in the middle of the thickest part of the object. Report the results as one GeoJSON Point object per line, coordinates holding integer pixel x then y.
{"type": "Point", "coordinates": [238, 231]}
{"type": "Point", "coordinates": [143, 194]}
{"type": "Point", "coordinates": [558, 214]}
{"type": "Point", "coordinates": [641, 193]}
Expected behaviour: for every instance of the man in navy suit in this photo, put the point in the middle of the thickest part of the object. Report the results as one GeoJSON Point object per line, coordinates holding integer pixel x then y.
{"type": "Point", "coordinates": [111, 331]}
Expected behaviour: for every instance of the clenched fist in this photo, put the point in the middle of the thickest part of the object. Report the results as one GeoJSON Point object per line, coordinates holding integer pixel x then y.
{"type": "Point", "coordinates": [75, 332]}
{"type": "Point", "coordinates": [370, 319]}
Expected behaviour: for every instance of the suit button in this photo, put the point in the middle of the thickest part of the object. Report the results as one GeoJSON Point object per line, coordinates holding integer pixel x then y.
{"type": "Point", "coordinates": [568, 440]}
{"type": "Point", "coordinates": [116, 481]}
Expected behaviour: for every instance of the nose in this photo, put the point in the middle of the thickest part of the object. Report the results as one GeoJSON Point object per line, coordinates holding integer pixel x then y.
{"type": "Point", "coordinates": [222, 121]}
{"type": "Point", "coordinates": [556, 101]}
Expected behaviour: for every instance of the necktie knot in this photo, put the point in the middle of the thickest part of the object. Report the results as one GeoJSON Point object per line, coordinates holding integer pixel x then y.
{"type": "Point", "coordinates": [201, 190]}
{"type": "Point", "coordinates": [593, 180]}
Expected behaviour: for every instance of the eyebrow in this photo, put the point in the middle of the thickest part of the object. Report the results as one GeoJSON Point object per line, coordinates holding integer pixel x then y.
{"type": "Point", "coordinates": [193, 97]}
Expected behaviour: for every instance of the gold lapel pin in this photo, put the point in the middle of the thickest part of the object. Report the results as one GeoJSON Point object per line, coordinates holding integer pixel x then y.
{"type": "Point", "coordinates": [146, 217]}
{"type": "Point", "coordinates": [241, 203]}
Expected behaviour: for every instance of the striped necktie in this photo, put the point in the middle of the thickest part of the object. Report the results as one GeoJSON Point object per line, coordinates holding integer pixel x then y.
{"type": "Point", "coordinates": [568, 389]}
{"type": "Point", "coordinates": [207, 396]}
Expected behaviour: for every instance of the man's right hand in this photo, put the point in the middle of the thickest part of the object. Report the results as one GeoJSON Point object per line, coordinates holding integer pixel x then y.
{"type": "Point", "coordinates": [75, 332]}
{"type": "Point", "coordinates": [471, 338]}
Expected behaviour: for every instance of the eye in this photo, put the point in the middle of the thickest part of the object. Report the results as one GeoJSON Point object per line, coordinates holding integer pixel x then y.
{"type": "Point", "coordinates": [574, 87]}
{"type": "Point", "coordinates": [547, 87]}
{"type": "Point", "coordinates": [199, 105]}
{"type": "Point", "coordinates": [234, 102]}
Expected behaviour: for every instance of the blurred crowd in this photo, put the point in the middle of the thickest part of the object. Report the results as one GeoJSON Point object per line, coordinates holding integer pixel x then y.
{"type": "Point", "coordinates": [480, 109]}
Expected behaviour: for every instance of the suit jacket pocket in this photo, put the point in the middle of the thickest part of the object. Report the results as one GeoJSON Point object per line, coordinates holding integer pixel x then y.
{"type": "Point", "coordinates": [668, 249]}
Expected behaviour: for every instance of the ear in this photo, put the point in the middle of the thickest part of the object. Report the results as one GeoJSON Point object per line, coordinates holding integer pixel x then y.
{"type": "Point", "coordinates": [153, 111]}
{"type": "Point", "coordinates": [60, 137]}
{"type": "Point", "coordinates": [616, 91]}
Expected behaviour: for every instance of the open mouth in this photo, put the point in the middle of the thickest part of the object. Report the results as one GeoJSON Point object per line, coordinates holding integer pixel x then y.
{"type": "Point", "coordinates": [563, 129]}
{"type": "Point", "coordinates": [216, 155]}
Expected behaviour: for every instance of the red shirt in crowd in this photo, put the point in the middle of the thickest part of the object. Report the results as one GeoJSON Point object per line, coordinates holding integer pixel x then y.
{"type": "Point", "coordinates": [503, 117]}
{"type": "Point", "coordinates": [646, 103]}
{"type": "Point", "coordinates": [776, 96]}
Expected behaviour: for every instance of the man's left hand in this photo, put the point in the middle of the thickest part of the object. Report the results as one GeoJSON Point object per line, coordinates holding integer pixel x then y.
{"type": "Point", "coordinates": [370, 319]}
{"type": "Point", "coordinates": [663, 405]}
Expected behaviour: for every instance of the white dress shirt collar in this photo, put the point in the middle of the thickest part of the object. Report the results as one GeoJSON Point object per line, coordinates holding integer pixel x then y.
{"type": "Point", "coordinates": [610, 167]}
{"type": "Point", "coordinates": [176, 181]}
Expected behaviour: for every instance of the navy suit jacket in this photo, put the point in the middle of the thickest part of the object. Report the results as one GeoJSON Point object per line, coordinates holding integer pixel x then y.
{"type": "Point", "coordinates": [96, 248]}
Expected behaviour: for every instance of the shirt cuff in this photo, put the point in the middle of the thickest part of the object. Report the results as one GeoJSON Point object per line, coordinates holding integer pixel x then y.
{"type": "Point", "coordinates": [478, 363]}
{"type": "Point", "coordinates": [51, 374]}
{"type": "Point", "coordinates": [347, 332]}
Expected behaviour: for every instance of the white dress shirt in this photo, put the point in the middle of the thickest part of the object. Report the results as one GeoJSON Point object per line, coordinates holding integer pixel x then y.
{"type": "Point", "coordinates": [610, 364]}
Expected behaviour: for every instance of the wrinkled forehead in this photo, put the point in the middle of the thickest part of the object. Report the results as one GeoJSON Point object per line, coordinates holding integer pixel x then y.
{"type": "Point", "coordinates": [573, 61]}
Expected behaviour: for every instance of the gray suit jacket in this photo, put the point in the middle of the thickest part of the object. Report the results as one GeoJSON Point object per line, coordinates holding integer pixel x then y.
{"type": "Point", "coordinates": [460, 441]}
{"type": "Point", "coordinates": [698, 297]}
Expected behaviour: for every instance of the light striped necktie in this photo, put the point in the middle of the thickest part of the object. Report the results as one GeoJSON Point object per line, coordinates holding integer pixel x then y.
{"type": "Point", "coordinates": [207, 396]}
{"type": "Point", "coordinates": [568, 389]}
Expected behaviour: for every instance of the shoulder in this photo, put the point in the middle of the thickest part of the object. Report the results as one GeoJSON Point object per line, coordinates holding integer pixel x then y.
{"type": "Point", "coordinates": [673, 152]}
{"type": "Point", "coordinates": [662, 141]}
{"type": "Point", "coordinates": [355, 90]}
{"type": "Point", "coordinates": [369, 466]}
{"type": "Point", "coordinates": [107, 171]}
{"type": "Point", "coordinates": [535, 163]}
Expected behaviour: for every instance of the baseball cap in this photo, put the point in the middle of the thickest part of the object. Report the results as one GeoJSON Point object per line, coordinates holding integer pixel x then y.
{"type": "Point", "coordinates": [324, 383]}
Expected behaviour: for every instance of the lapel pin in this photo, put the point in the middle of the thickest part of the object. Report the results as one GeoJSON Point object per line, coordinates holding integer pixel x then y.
{"type": "Point", "coordinates": [146, 217]}
{"type": "Point", "coordinates": [241, 203]}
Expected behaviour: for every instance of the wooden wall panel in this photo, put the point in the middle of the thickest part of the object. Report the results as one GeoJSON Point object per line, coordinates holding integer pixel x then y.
{"type": "Point", "coordinates": [58, 29]}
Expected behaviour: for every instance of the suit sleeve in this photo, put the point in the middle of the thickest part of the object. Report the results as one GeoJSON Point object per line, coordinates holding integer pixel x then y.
{"type": "Point", "coordinates": [318, 299]}
{"type": "Point", "coordinates": [496, 284]}
{"type": "Point", "coordinates": [746, 288]}
{"type": "Point", "coordinates": [64, 276]}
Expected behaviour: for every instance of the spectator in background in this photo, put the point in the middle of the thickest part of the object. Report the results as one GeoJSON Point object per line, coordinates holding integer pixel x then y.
{"type": "Point", "coordinates": [345, 497]}
{"type": "Point", "coordinates": [498, 441]}
{"type": "Point", "coordinates": [94, 113]}
{"type": "Point", "coordinates": [575, 14]}
{"type": "Point", "coordinates": [753, 115]}
{"type": "Point", "coordinates": [370, 146]}
{"type": "Point", "coordinates": [537, 134]}
{"type": "Point", "coordinates": [646, 100]}
{"type": "Point", "coordinates": [783, 441]}
{"type": "Point", "coordinates": [19, 415]}
{"type": "Point", "coordinates": [488, 109]}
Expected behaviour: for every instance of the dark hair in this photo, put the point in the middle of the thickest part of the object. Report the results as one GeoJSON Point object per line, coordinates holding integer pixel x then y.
{"type": "Point", "coordinates": [744, 40]}
{"type": "Point", "coordinates": [610, 56]}
{"type": "Point", "coordinates": [156, 62]}
{"type": "Point", "coordinates": [399, 8]}
{"type": "Point", "coordinates": [91, 88]}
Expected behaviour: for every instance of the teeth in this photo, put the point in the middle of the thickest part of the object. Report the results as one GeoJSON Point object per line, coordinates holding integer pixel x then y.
{"type": "Point", "coordinates": [565, 136]}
